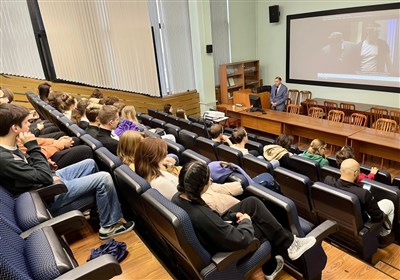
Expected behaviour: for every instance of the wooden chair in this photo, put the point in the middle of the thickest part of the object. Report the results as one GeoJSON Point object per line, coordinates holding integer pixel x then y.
{"type": "Point", "coordinates": [348, 109]}
{"type": "Point", "coordinates": [310, 103]}
{"type": "Point", "coordinates": [395, 115]}
{"type": "Point", "coordinates": [304, 95]}
{"type": "Point", "coordinates": [386, 125]}
{"type": "Point", "coordinates": [329, 105]}
{"type": "Point", "coordinates": [336, 116]}
{"type": "Point", "coordinates": [288, 102]}
{"type": "Point", "coordinates": [316, 112]}
{"type": "Point", "coordinates": [293, 109]}
{"type": "Point", "coordinates": [378, 113]}
{"type": "Point", "coordinates": [358, 119]}
{"type": "Point", "coordinates": [293, 94]}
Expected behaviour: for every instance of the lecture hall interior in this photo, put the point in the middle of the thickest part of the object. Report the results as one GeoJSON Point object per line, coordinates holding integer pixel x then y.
{"type": "Point", "coordinates": [288, 109]}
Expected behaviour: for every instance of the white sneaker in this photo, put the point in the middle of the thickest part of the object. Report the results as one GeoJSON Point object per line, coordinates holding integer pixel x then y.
{"type": "Point", "coordinates": [280, 263]}
{"type": "Point", "coordinates": [299, 246]}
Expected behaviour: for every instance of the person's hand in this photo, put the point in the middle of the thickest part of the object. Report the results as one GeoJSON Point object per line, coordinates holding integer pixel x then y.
{"type": "Point", "coordinates": [240, 217]}
{"type": "Point", "coordinates": [374, 170]}
{"type": "Point", "coordinates": [224, 138]}
{"type": "Point", "coordinates": [26, 137]}
{"type": "Point", "coordinates": [40, 126]}
{"type": "Point", "coordinates": [169, 161]}
{"type": "Point", "coordinates": [66, 141]}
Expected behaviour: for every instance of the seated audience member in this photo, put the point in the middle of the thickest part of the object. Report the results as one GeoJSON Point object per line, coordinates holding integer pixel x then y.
{"type": "Point", "coordinates": [92, 113]}
{"type": "Point", "coordinates": [60, 153]}
{"type": "Point", "coordinates": [20, 173]}
{"type": "Point", "coordinates": [127, 145]}
{"type": "Point", "coordinates": [79, 114]}
{"type": "Point", "coordinates": [108, 118]}
{"type": "Point", "coordinates": [63, 102]}
{"type": "Point", "coordinates": [217, 134]}
{"type": "Point", "coordinates": [377, 211]}
{"type": "Point", "coordinates": [44, 90]}
{"type": "Point", "coordinates": [239, 135]}
{"type": "Point", "coordinates": [129, 121]}
{"type": "Point", "coordinates": [110, 100]}
{"type": "Point", "coordinates": [120, 106]}
{"type": "Point", "coordinates": [348, 152]}
{"type": "Point", "coordinates": [180, 113]}
{"type": "Point", "coordinates": [280, 150]}
{"type": "Point", "coordinates": [168, 109]}
{"type": "Point", "coordinates": [252, 218]}
{"type": "Point", "coordinates": [96, 96]}
{"type": "Point", "coordinates": [6, 94]}
{"type": "Point", "coordinates": [316, 152]}
{"type": "Point", "coordinates": [150, 164]}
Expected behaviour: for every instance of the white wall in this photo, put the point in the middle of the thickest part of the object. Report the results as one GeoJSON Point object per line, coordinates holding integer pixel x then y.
{"type": "Point", "coordinates": [271, 49]}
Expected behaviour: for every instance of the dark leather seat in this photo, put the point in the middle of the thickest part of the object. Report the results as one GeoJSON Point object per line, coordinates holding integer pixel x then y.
{"type": "Point", "coordinates": [157, 123]}
{"type": "Point", "coordinates": [91, 142]}
{"type": "Point", "coordinates": [226, 153]}
{"type": "Point", "coordinates": [189, 155]}
{"type": "Point", "coordinates": [305, 166]}
{"type": "Point", "coordinates": [172, 129]}
{"type": "Point", "coordinates": [206, 147]}
{"type": "Point", "coordinates": [184, 124]}
{"type": "Point", "coordinates": [254, 166]}
{"type": "Point", "coordinates": [187, 139]}
{"type": "Point", "coordinates": [199, 129]}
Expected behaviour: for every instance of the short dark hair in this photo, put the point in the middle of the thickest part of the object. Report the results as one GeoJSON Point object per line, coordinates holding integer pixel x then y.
{"type": "Point", "coordinates": [92, 113]}
{"type": "Point", "coordinates": [167, 107]}
{"type": "Point", "coordinates": [8, 93]}
{"type": "Point", "coordinates": [44, 90]}
{"type": "Point", "coordinates": [284, 141]}
{"type": "Point", "coordinates": [279, 78]}
{"type": "Point", "coordinates": [216, 130]}
{"type": "Point", "coordinates": [107, 113]}
{"type": "Point", "coordinates": [10, 115]}
{"type": "Point", "coordinates": [239, 134]}
{"type": "Point", "coordinates": [96, 94]}
{"type": "Point", "coordinates": [344, 153]}
{"type": "Point", "coordinates": [110, 100]}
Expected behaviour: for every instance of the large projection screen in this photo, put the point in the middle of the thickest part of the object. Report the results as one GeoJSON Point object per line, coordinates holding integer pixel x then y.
{"type": "Point", "coordinates": [351, 48]}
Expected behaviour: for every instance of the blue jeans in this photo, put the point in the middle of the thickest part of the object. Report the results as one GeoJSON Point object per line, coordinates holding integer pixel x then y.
{"type": "Point", "coordinates": [82, 178]}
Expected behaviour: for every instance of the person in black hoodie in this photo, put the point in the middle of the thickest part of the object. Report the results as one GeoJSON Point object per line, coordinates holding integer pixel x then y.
{"type": "Point", "coordinates": [378, 211]}
{"type": "Point", "coordinates": [109, 119]}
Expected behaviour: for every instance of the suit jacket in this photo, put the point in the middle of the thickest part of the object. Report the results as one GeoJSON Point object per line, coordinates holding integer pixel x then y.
{"type": "Point", "coordinates": [279, 97]}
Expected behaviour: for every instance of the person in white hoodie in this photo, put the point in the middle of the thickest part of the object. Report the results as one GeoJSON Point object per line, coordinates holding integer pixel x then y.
{"type": "Point", "coordinates": [280, 150]}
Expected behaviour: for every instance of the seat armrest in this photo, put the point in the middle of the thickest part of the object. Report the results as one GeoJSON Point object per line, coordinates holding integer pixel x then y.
{"type": "Point", "coordinates": [103, 267]}
{"type": "Point", "coordinates": [224, 259]}
{"type": "Point", "coordinates": [49, 192]}
{"type": "Point", "coordinates": [324, 230]}
{"type": "Point", "coordinates": [62, 224]}
{"type": "Point", "coordinates": [369, 227]}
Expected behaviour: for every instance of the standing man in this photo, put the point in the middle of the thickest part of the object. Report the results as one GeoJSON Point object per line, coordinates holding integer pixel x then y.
{"type": "Point", "coordinates": [279, 93]}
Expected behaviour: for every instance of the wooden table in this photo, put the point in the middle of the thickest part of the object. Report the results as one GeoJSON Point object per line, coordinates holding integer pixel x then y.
{"type": "Point", "coordinates": [376, 143]}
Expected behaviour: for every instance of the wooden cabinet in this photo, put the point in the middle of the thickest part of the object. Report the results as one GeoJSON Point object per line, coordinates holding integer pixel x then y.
{"type": "Point", "coordinates": [237, 77]}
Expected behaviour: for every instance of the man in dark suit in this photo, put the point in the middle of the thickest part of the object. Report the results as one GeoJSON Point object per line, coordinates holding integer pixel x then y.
{"type": "Point", "coordinates": [279, 93]}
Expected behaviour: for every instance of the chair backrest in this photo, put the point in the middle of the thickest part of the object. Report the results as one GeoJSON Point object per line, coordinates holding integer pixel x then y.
{"type": "Point", "coordinates": [106, 161]}
{"type": "Point", "coordinates": [265, 140]}
{"type": "Point", "coordinates": [330, 203]}
{"type": "Point", "coordinates": [162, 116]}
{"type": "Point", "coordinates": [193, 119]}
{"type": "Point", "coordinates": [382, 176]}
{"type": "Point", "coordinates": [131, 186]}
{"type": "Point", "coordinates": [386, 125]}
{"type": "Point", "coordinates": [332, 160]}
{"type": "Point", "coordinates": [91, 142]}
{"type": "Point", "coordinates": [395, 115]}
{"type": "Point", "coordinates": [254, 166]}
{"type": "Point", "coordinates": [175, 226]}
{"type": "Point", "coordinates": [358, 119]}
{"type": "Point", "coordinates": [255, 146]}
{"type": "Point", "coordinates": [293, 109]}
{"type": "Point", "coordinates": [189, 155]}
{"type": "Point", "coordinates": [330, 105]}
{"type": "Point", "coordinates": [75, 130]}
{"type": "Point", "coordinates": [174, 148]}
{"type": "Point", "coordinates": [152, 112]}
{"type": "Point", "coordinates": [336, 116]}
{"type": "Point", "coordinates": [304, 95]}
{"type": "Point", "coordinates": [396, 181]}
{"type": "Point", "coordinates": [293, 94]}
{"type": "Point", "coordinates": [146, 120]}
{"type": "Point", "coordinates": [329, 171]}
{"type": "Point", "coordinates": [157, 123]}
{"type": "Point", "coordinates": [377, 113]}
{"type": "Point", "coordinates": [382, 191]}
{"type": "Point", "coordinates": [184, 124]}
{"type": "Point", "coordinates": [296, 187]}
{"type": "Point", "coordinates": [347, 106]}
{"type": "Point", "coordinates": [172, 119]}
{"type": "Point", "coordinates": [316, 112]}
{"type": "Point", "coordinates": [207, 148]}
{"type": "Point", "coordinates": [305, 166]}
{"type": "Point", "coordinates": [199, 129]}
{"type": "Point", "coordinates": [288, 102]}
{"type": "Point", "coordinates": [226, 153]}
{"type": "Point", "coordinates": [310, 103]}
{"type": "Point", "coordinates": [187, 138]}
{"type": "Point", "coordinates": [172, 129]}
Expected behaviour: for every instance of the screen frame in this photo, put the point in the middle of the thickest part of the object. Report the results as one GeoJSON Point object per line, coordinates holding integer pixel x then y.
{"type": "Point", "coordinates": [255, 99]}
{"type": "Point", "coordinates": [289, 18]}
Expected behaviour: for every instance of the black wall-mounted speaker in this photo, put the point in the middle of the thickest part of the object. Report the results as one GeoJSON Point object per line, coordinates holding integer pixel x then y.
{"type": "Point", "coordinates": [209, 49]}
{"type": "Point", "coordinates": [274, 13]}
